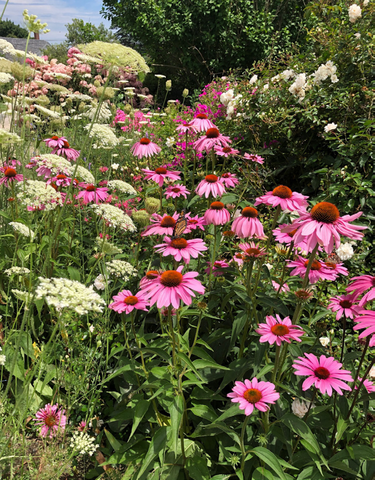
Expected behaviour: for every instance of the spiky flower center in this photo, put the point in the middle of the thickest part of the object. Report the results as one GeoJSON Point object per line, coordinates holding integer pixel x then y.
{"type": "Point", "coordinates": [61, 176]}
{"type": "Point", "coordinates": [229, 233]}
{"type": "Point", "coordinates": [168, 222]}
{"type": "Point", "coordinates": [252, 395]}
{"type": "Point", "coordinates": [10, 172]}
{"type": "Point", "coordinates": [211, 178]}
{"type": "Point", "coordinates": [90, 188]}
{"type": "Point", "coordinates": [131, 300]}
{"type": "Point", "coordinates": [292, 233]}
{"type": "Point", "coordinates": [226, 150]}
{"type": "Point", "coordinates": [152, 274]}
{"type": "Point", "coordinates": [144, 141]}
{"type": "Point", "coordinates": [239, 255]}
{"type": "Point", "coordinates": [322, 373]}
{"type": "Point", "coordinates": [253, 251]}
{"type": "Point", "coordinates": [250, 212]}
{"type": "Point", "coordinates": [176, 190]}
{"type": "Point", "coordinates": [50, 420]}
{"type": "Point", "coordinates": [212, 133]}
{"type": "Point", "coordinates": [346, 304]}
{"type": "Point", "coordinates": [161, 171]}
{"type": "Point", "coordinates": [192, 221]}
{"type": "Point", "coordinates": [179, 243]}
{"type": "Point", "coordinates": [217, 206]}
{"type": "Point", "coordinates": [330, 265]}
{"type": "Point", "coordinates": [202, 116]}
{"type": "Point", "coordinates": [325, 212]}
{"type": "Point", "coordinates": [171, 278]}
{"type": "Point", "coordinates": [315, 265]}
{"type": "Point", "coordinates": [55, 137]}
{"type": "Point", "coordinates": [282, 191]}
{"type": "Point", "coordinates": [279, 330]}
{"type": "Point", "coordinates": [66, 144]}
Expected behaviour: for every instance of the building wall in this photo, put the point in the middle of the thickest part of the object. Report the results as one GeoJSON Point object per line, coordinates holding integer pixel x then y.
{"type": "Point", "coordinates": [34, 46]}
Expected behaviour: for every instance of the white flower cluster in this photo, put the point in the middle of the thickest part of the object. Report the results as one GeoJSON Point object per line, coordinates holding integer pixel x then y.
{"type": "Point", "coordinates": [253, 79]}
{"type": "Point", "coordinates": [121, 269]}
{"type": "Point", "coordinates": [325, 71]}
{"type": "Point", "coordinates": [329, 127]}
{"type": "Point", "coordinates": [345, 251]}
{"type": "Point", "coordinates": [79, 97]}
{"type": "Point", "coordinates": [58, 164]}
{"type": "Point", "coordinates": [229, 100]}
{"type": "Point", "coordinates": [298, 88]}
{"type": "Point", "coordinates": [122, 187]}
{"type": "Point", "coordinates": [6, 47]}
{"type": "Point", "coordinates": [355, 12]}
{"type": "Point", "coordinates": [17, 271]}
{"type": "Point", "coordinates": [324, 341]}
{"type": "Point", "coordinates": [62, 293]}
{"type": "Point", "coordinates": [47, 112]}
{"type": "Point", "coordinates": [300, 408]}
{"type": "Point", "coordinates": [83, 444]}
{"type": "Point", "coordinates": [89, 58]}
{"type": "Point", "coordinates": [101, 281]}
{"type": "Point", "coordinates": [22, 229]}
{"type": "Point", "coordinates": [33, 24]}
{"type": "Point", "coordinates": [114, 216]}
{"type": "Point", "coordinates": [101, 114]}
{"type": "Point", "coordinates": [7, 138]}
{"type": "Point", "coordinates": [170, 142]}
{"type": "Point", "coordinates": [5, 77]}
{"type": "Point", "coordinates": [103, 135]}
{"type": "Point", "coordinates": [21, 295]}
{"type": "Point", "coordinates": [38, 195]}
{"type": "Point", "coordinates": [2, 358]}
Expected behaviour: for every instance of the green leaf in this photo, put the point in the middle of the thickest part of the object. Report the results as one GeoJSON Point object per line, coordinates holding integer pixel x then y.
{"type": "Point", "coordinates": [176, 411]}
{"type": "Point", "coordinates": [342, 425]}
{"type": "Point", "coordinates": [157, 444]}
{"type": "Point", "coordinates": [197, 468]}
{"type": "Point", "coordinates": [262, 474]}
{"type": "Point", "coordinates": [204, 411]}
{"type": "Point", "coordinates": [125, 368]}
{"type": "Point", "coordinates": [115, 444]}
{"type": "Point", "coordinates": [189, 363]}
{"type": "Point", "coordinates": [270, 459]}
{"type": "Point", "coordinates": [42, 388]}
{"type": "Point", "coordinates": [208, 364]}
{"type": "Point", "coordinates": [74, 274]}
{"type": "Point", "coordinates": [139, 412]}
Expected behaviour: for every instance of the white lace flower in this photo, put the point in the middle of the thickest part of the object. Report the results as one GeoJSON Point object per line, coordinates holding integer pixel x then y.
{"type": "Point", "coordinates": [17, 271]}
{"type": "Point", "coordinates": [5, 77]}
{"type": "Point", "coordinates": [121, 269]}
{"type": "Point", "coordinates": [22, 229]}
{"type": "Point", "coordinates": [114, 216]}
{"type": "Point", "coordinates": [103, 135]}
{"type": "Point", "coordinates": [37, 195]}
{"type": "Point", "coordinates": [122, 187]}
{"type": "Point", "coordinates": [83, 444]}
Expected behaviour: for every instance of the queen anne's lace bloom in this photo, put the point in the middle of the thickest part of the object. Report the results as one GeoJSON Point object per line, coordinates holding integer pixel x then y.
{"type": "Point", "coordinates": [54, 164]}
{"type": "Point", "coordinates": [22, 229]}
{"type": "Point", "coordinates": [7, 138]}
{"type": "Point", "coordinates": [122, 187]}
{"type": "Point", "coordinates": [114, 216]}
{"type": "Point", "coordinates": [63, 294]}
{"type": "Point", "coordinates": [38, 196]}
{"type": "Point", "coordinates": [17, 271]}
{"type": "Point", "coordinates": [103, 135]}
{"type": "Point", "coordinates": [5, 77]}
{"type": "Point", "coordinates": [83, 444]}
{"type": "Point", "coordinates": [101, 114]}
{"type": "Point", "coordinates": [121, 269]}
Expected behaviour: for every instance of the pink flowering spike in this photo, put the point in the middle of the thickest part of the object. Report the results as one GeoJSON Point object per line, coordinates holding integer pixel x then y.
{"type": "Point", "coordinates": [360, 285]}
{"type": "Point", "coordinates": [251, 250]}
{"type": "Point", "coordinates": [10, 175]}
{"type": "Point", "coordinates": [345, 305]}
{"type": "Point", "coordinates": [159, 174]}
{"type": "Point", "coordinates": [254, 158]}
{"type": "Point", "coordinates": [325, 373]}
{"type": "Point", "coordinates": [211, 185]}
{"type": "Point", "coordinates": [253, 394]}
{"type": "Point", "coordinates": [55, 142]}
{"type": "Point", "coordinates": [126, 302]}
{"type": "Point", "coordinates": [202, 123]}
{"type": "Point", "coordinates": [175, 191]}
{"type": "Point", "coordinates": [225, 152]}
{"type": "Point", "coordinates": [52, 420]}
{"type": "Point", "coordinates": [66, 151]}
{"type": "Point", "coordinates": [216, 214]}
{"type": "Point", "coordinates": [145, 148]}
{"type": "Point", "coordinates": [217, 268]}
{"type": "Point", "coordinates": [248, 225]}
{"type": "Point", "coordinates": [318, 270]}
{"type": "Point", "coordinates": [284, 197]}
{"type": "Point", "coordinates": [213, 137]}
{"type": "Point", "coordinates": [161, 225]}
{"type": "Point", "coordinates": [91, 193]}
{"type": "Point", "coordinates": [171, 287]}
{"type": "Point", "coordinates": [181, 249]}
{"type": "Point", "coordinates": [323, 226]}
{"type": "Point", "coordinates": [278, 331]}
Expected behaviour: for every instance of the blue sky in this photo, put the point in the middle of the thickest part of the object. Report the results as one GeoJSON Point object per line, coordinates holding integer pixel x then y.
{"type": "Point", "coordinates": [57, 13]}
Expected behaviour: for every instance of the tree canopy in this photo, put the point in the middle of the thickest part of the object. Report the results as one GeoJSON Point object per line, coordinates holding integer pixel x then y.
{"type": "Point", "coordinates": [79, 31]}
{"type": "Point", "coordinates": [10, 29]}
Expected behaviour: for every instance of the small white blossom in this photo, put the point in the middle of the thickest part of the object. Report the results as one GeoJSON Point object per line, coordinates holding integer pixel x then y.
{"type": "Point", "coordinates": [5, 77]}
{"type": "Point", "coordinates": [22, 229]}
{"type": "Point", "coordinates": [372, 372]}
{"type": "Point", "coordinates": [122, 187]}
{"type": "Point", "coordinates": [115, 166]}
{"type": "Point", "coordinates": [103, 135]}
{"type": "Point", "coordinates": [357, 35]}
{"type": "Point", "coordinates": [329, 127]}
{"type": "Point", "coordinates": [2, 359]}
{"type": "Point", "coordinates": [160, 76]}
{"type": "Point", "coordinates": [355, 12]}
{"type": "Point", "coordinates": [91, 328]}
{"type": "Point", "coordinates": [299, 86]}
{"type": "Point", "coordinates": [83, 444]}
{"type": "Point", "coordinates": [101, 282]}
{"type": "Point", "coordinates": [345, 251]}
{"type": "Point", "coordinates": [170, 142]}
{"type": "Point", "coordinates": [121, 269]}
{"type": "Point", "coordinates": [17, 271]}
{"type": "Point", "coordinates": [101, 114]}
{"type": "Point", "coordinates": [324, 341]}
{"type": "Point", "coordinates": [37, 195]}
{"type": "Point", "coordinates": [366, 2]}
{"type": "Point", "coordinates": [253, 79]}
{"type": "Point", "coordinates": [114, 216]}
{"type": "Point", "coordinates": [300, 408]}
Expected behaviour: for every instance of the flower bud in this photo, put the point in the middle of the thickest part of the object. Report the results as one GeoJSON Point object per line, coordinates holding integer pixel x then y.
{"type": "Point", "coordinates": [152, 205]}
{"type": "Point", "coordinates": [141, 217]}
{"type": "Point", "coordinates": [168, 85]}
{"type": "Point", "coordinates": [185, 92]}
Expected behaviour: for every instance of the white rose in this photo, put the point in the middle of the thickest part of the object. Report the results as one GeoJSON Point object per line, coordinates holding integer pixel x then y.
{"type": "Point", "coordinates": [372, 372]}
{"type": "Point", "coordinates": [324, 341]}
{"type": "Point", "coordinates": [115, 166]}
{"type": "Point", "coordinates": [345, 251]}
{"type": "Point", "coordinates": [329, 127]}
{"type": "Point", "coordinates": [354, 12]}
{"type": "Point", "coordinates": [253, 79]}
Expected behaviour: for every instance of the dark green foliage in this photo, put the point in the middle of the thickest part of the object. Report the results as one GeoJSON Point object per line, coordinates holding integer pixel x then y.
{"type": "Point", "coordinates": [86, 32]}
{"type": "Point", "coordinates": [10, 29]}
{"type": "Point", "coordinates": [58, 51]}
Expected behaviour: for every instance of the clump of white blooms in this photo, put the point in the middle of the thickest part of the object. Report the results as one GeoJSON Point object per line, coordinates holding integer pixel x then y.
{"type": "Point", "coordinates": [6, 47]}
{"type": "Point", "coordinates": [170, 142]}
{"type": "Point", "coordinates": [287, 74]}
{"type": "Point", "coordinates": [355, 12]}
{"type": "Point", "coordinates": [121, 269]}
{"type": "Point", "coordinates": [298, 88]}
{"type": "Point", "coordinates": [79, 97]}
{"type": "Point", "coordinates": [62, 293]}
{"type": "Point", "coordinates": [22, 229]}
{"type": "Point", "coordinates": [2, 358]}
{"type": "Point", "coordinates": [38, 195]}
{"type": "Point", "coordinates": [17, 271]}
{"type": "Point", "coordinates": [21, 295]}
{"type": "Point", "coordinates": [325, 71]}
{"type": "Point", "coordinates": [324, 341]}
{"type": "Point", "coordinates": [7, 138]}
{"type": "Point", "coordinates": [89, 59]}
{"type": "Point", "coordinates": [103, 135]}
{"type": "Point", "coordinates": [47, 112]}
{"type": "Point", "coordinates": [83, 444]}
{"type": "Point", "coordinates": [57, 164]}
{"type": "Point", "coordinates": [329, 127]}
{"type": "Point", "coordinates": [300, 408]}
{"type": "Point", "coordinates": [101, 281]}
{"type": "Point", "coordinates": [122, 187]}
{"type": "Point", "coordinates": [83, 173]}
{"type": "Point", "coordinates": [114, 216]}
{"type": "Point", "coordinates": [33, 24]}
{"type": "Point", "coordinates": [253, 79]}
{"type": "Point", "coordinates": [100, 114]}
{"type": "Point", "coordinates": [229, 100]}
{"type": "Point", "coordinates": [5, 77]}
{"type": "Point", "coordinates": [107, 247]}
{"type": "Point", "coordinates": [345, 251]}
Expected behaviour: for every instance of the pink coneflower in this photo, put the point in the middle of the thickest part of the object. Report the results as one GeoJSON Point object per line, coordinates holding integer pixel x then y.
{"type": "Point", "coordinates": [159, 174]}
{"type": "Point", "coordinates": [82, 426]}
{"type": "Point", "coordinates": [91, 193]}
{"type": "Point", "coordinates": [229, 180]}
{"type": "Point", "coordinates": [217, 268]}
{"type": "Point", "coordinates": [360, 285]}
{"type": "Point", "coordinates": [336, 268]}
{"type": "Point", "coordinates": [253, 394]}
{"type": "Point", "coordinates": [284, 197]}
{"type": "Point", "coordinates": [367, 322]}
{"type": "Point", "coordinates": [248, 225]}
{"type": "Point", "coordinates": [323, 225]}
{"type": "Point", "coordinates": [161, 225]}
{"type": "Point", "coordinates": [145, 148]}
{"type": "Point", "coordinates": [60, 180]}
{"type": "Point", "coordinates": [202, 123]}
{"type": "Point", "coordinates": [10, 175]}
{"type": "Point", "coordinates": [345, 305]}
{"type": "Point", "coordinates": [211, 185]}
{"type": "Point", "coordinates": [213, 137]}
{"type": "Point", "coordinates": [225, 151]}
{"type": "Point", "coordinates": [180, 248]}
{"type": "Point", "coordinates": [254, 158]}
{"type": "Point", "coordinates": [369, 386]}
{"type": "Point", "coordinates": [217, 214]}
{"type": "Point", "coordinates": [194, 223]}
{"type": "Point", "coordinates": [175, 191]}
{"type": "Point", "coordinates": [186, 127]}
{"type": "Point", "coordinates": [325, 373]}
{"type": "Point", "coordinates": [238, 258]}
{"type": "Point", "coordinates": [277, 331]}
{"type": "Point", "coordinates": [317, 272]}
{"type": "Point", "coordinates": [251, 250]}
{"type": "Point", "coordinates": [149, 277]}
{"type": "Point", "coordinates": [52, 420]}
{"type": "Point", "coordinates": [126, 302]}
{"type": "Point", "coordinates": [55, 142]}
{"type": "Point", "coordinates": [284, 288]}
{"type": "Point", "coordinates": [171, 287]}
{"type": "Point", "coordinates": [66, 151]}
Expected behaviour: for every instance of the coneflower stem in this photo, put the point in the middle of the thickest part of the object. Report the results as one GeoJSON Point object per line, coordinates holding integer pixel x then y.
{"type": "Point", "coordinates": [360, 365]}
{"type": "Point", "coordinates": [359, 388]}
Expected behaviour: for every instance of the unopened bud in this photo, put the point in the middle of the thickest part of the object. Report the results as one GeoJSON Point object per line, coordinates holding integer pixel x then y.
{"type": "Point", "coordinates": [142, 217]}
{"type": "Point", "coordinates": [185, 92]}
{"type": "Point", "coordinates": [152, 205]}
{"type": "Point", "coordinates": [168, 85]}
